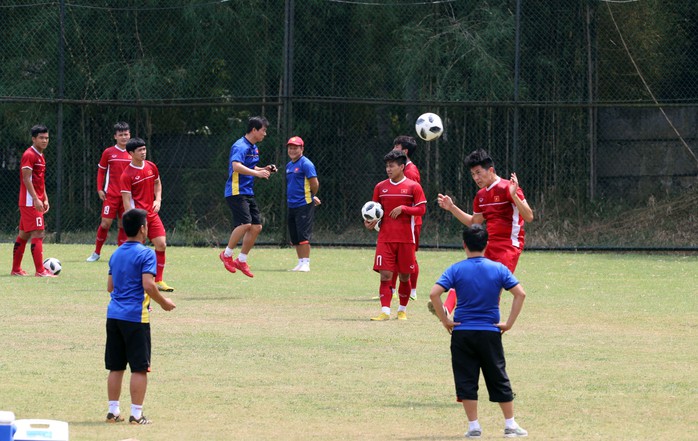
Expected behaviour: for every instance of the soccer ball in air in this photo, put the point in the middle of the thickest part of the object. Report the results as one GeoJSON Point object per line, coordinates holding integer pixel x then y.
{"type": "Point", "coordinates": [429, 126]}
{"type": "Point", "coordinates": [53, 265]}
{"type": "Point", "coordinates": [372, 211]}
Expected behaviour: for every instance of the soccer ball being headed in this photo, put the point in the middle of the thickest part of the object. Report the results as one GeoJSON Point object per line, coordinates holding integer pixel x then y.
{"type": "Point", "coordinates": [429, 126]}
{"type": "Point", "coordinates": [53, 265]}
{"type": "Point", "coordinates": [372, 211]}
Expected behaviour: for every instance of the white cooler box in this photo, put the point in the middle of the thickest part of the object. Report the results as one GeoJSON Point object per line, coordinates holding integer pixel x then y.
{"type": "Point", "coordinates": [41, 430]}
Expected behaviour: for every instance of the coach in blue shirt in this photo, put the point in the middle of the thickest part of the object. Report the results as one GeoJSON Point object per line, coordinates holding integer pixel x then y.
{"type": "Point", "coordinates": [239, 194]}
{"type": "Point", "coordinates": [301, 188]}
{"type": "Point", "coordinates": [476, 329]}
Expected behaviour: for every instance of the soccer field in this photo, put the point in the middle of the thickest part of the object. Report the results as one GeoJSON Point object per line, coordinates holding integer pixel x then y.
{"type": "Point", "coordinates": [605, 348]}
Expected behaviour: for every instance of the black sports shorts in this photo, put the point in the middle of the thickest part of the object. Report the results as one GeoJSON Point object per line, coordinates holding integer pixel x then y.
{"type": "Point", "coordinates": [244, 209]}
{"type": "Point", "coordinates": [472, 351]}
{"type": "Point", "coordinates": [127, 342]}
{"type": "Point", "coordinates": [300, 223]}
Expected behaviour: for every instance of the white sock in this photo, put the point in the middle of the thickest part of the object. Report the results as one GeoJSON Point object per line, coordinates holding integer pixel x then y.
{"type": "Point", "coordinates": [474, 425]}
{"type": "Point", "coordinates": [510, 423]}
{"type": "Point", "coordinates": [300, 261]}
{"type": "Point", "coordinates": [413, 292]}
{"type": "Point", "coordinates": [385, 309]}
{"type": "Point", "coordinates": [306, 260]}
{"type": "Point", "coordinates": [401, 308]}
{"type": "Point", "coordinates": [242, 257]}
{"type": "Point", "coordinates": [136, 411]}
{"type": "Point", "coordinates": [114, 408]}
{"type": "Point", "coordinates": [228, 252]}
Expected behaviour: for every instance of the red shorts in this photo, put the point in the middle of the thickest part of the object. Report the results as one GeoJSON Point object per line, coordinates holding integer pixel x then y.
{"type": "Point", "coordinates": [30, 219]}
{"type": "Point", "coordinates": [504, 253]}
{"type": "Point", "coordinates": [112, 207]}
{"type": "Point", "coordinates": [155, 226]}
{"type": "Point", "coordinates": [391, 256]}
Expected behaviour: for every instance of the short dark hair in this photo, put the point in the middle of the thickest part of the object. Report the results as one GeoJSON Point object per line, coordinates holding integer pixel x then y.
{"type": "Point", "coordinates": [407, 142]}
{"type": "Point", "coordinates": [256, 122]}
{"type": "Point", "coordinates": [479, 157]}
{"type": "Point", "coordinates": [396, 156]}
{"type": "Point", "coordinates": [134, 143]}
{"type": "Point", "coordinates": [133, 220]}
{"type": "Point", "coordinates": [475, 237]}
{"type": "Point", "coordinates": [121, 126]}
{"type": "Point", "coordinates": [39, 128]}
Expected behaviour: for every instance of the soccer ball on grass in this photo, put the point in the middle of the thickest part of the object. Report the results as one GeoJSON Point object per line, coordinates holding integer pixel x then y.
{"type": "Point", "coordinates": [429, 126]}
{"type": "Point", "coordinates": [53, 265]}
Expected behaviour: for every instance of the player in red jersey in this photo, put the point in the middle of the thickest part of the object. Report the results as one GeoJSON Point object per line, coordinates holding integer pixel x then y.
{"type": "Point", "coordinates": [141, 187]}
{"type": "Point", "coordinates": [501, 204]}
{"type": "Point", "coordinates": [33, 204]}
{"type": "Point", "coordinates": [402, 199]}
{"type": "Point", "coordinates": [408, 145]}
{"type": "Point", "coordinates": [113, 162]}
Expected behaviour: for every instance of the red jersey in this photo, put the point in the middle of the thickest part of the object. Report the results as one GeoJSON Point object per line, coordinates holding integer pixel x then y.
{"type": "Point", "coordinates": [111, 165]}
{"type": "Point", "coordinates": [34, 161]}
{"type": "Point", "coordinates": [504, 223]}
{"type": "Point", "coordinates": [391, 195]}
{"type": "Point", "coordinates": [140, 182]}
{"type": "Point", "coordinates": [412, 172]}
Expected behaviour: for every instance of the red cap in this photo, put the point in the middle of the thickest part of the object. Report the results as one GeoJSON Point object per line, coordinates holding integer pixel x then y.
{"type": "Point", "coordinates": [296, 140]}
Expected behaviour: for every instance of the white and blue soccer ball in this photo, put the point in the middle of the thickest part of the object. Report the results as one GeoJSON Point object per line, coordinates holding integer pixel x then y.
{"type": "Point", "coordinates": [372, 211]}
{"type": "Point", "coordinates": [53, 265]}
{"type": "Point", "coordinates": [429, 126]}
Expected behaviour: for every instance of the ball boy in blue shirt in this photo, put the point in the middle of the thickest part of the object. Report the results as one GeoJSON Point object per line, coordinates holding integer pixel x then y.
{"type": "Point", "coordinates": [131, 284]}
{"type": "Point", "coordinates": [476, 329]}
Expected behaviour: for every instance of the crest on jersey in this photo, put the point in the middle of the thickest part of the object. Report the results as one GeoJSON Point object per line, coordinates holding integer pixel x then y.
{"type": "Point", "coordinates": [385, 190]}
{"type": "Point", "coordinates": [496, 198]}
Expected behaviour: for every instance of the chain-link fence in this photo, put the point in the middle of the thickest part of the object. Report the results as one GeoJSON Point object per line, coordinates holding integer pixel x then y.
{"type": "Point", "coordinates": [594, 104]}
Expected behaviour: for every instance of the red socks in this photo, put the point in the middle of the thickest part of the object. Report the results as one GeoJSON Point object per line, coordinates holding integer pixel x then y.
{"type": "Point", "coordinates": [18, 253]}
{"type": "Point", "coordinates": [386, 294]}
{"type": "Point", "coordinates": [102, 234]}
{"type": "Point", "coordinates": [404, 292]}
{"type": "Point", "coordinates": [37, 248]}
{"type": "Point", "coordinates": [121, 238]}
{"type": "Point", "coordinates": [160, 259]}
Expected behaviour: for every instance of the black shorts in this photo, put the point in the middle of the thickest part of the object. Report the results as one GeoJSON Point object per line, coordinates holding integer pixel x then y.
{"type": "Point", "coordinates": [244, 209]}
{"type": "Point", "coordinates": [475, 350]}
{"type": "Point", "coordinates": [300, 223]}
{"type": "Point", "coordinates": [127, 342]}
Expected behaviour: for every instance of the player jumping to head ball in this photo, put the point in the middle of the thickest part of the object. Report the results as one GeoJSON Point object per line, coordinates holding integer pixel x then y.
{"type": "Point", "coordinates": [501, 204]}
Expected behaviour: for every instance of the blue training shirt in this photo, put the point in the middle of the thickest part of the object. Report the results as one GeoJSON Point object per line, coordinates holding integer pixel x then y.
{"type": "Point", "coordinates": [297, 182]}
{"type": "Point", "coordinates": [478, 282]}
{"type": "Point", "coordinates": [247, 154]}
{"type": "Point", "coordinates": [127, 265]}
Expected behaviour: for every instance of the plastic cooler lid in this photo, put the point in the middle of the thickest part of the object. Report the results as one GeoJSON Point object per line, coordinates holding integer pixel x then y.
{"type": "Point", "coordinates": [7, 417]}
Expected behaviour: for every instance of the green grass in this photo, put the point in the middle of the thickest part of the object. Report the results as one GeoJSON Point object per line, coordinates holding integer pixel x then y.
{"type": "Point", "coordinates": [605, 349]}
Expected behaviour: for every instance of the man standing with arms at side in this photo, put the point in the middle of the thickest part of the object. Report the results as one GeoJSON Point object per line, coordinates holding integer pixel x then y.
{"type": "Point", "coordinates": [301, 189]}
{"type": "Point", "coordinates": [141, 187]}
{"type": "Point", "coordinates": [33, 204]}
{"type": "Point", "coordinates": [239, 194]}
{"type": "Point", "coordinates": [113, 162]}
{"type": "Point", "coordinates": [501, 204]}
{"type": "Point", "coordinates": [131, 286]}
{"type": "Point", "coordinates": [476, 330]}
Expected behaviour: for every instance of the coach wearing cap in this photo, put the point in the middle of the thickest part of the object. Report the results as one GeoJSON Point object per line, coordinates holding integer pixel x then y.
{"type": "Point", "coordinates": [301, 189]}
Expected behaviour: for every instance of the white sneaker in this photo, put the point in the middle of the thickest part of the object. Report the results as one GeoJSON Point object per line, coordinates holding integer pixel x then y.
{"type": "Point", "coordinates": [93, 257]}
{"type": "Point", "coordinates": [297, 267]}
{"type": "Point", "coordinates": [304, 268]}
{"type": "Point", "coordinates": [517, 432]}
{"type": "Point", "coordinates": [413, 296]}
